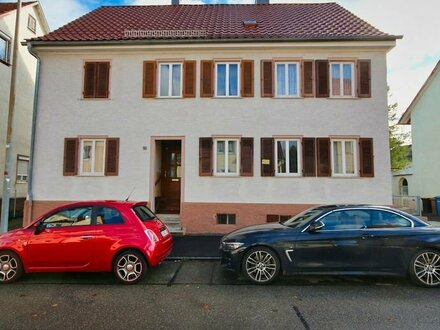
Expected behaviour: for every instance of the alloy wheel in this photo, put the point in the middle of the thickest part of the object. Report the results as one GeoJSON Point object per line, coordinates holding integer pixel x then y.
{"type": "Point", "coordinates": [10, 267]}
{"type": "Point", "coordinates": [129, 267]}
{"type": "Point", "coordinates": [427, 268]}
{"type": "Point", "coordinates": [261, 266]}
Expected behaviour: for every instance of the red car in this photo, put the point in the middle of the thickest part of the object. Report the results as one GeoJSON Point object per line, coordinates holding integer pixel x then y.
{"type": "Point", "coordinates": [99, 236]}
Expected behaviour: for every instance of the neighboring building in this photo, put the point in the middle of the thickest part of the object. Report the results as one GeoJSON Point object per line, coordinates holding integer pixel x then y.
{"type": "Point", "coordinates": [32, 24]}
{"type": "Point", "coordinates": [227, 115]}
{"type": "Point", "coordinates": [423, 114]}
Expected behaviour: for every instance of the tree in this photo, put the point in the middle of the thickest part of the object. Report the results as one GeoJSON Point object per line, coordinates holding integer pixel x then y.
{"type": "Point", "coordinates": [399, 152]}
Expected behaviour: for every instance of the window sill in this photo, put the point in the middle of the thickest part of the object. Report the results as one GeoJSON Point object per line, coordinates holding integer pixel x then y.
{"type": "Point", "coordinates": [95, 99]}
{"type": "Point", "coordinates": [343, 98]}
{"type": "Point", "coordinates": [168, 97]}
{"type": "Point", "coordinates": [287, 97]}
{"type": "Point", "coordinates": [280, 175]}
{"type": "Point", "coordinates": [5, 62]}
{"type": "Point", "coordinates": [227, 97]}
{"type": "Point", "coordinates": [340, 176]}
{"type": "Point", "coordinates": [91, 175]}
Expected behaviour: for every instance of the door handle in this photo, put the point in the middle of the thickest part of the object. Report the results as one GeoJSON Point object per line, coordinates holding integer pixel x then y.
{"type": "Point", "coordinates": [365, 236]}
{"type": "Point", "coordinates": [86, 237]}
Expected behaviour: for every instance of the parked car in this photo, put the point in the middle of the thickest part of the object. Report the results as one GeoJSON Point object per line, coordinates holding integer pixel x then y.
{"type": "Point", "coordinates": [99, 236]}
{"type": "Point", "coordinates": [337, 239]}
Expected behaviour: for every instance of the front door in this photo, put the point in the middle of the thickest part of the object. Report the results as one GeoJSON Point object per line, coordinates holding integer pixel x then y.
{"type": "Point", "coordinates": [171, 174]}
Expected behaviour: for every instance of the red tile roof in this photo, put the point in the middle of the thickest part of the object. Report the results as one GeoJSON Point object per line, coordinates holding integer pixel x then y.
{"type": "Point", "coordinates": [6, 7]}
{"type": "Point", "coordinates": [318, 21]}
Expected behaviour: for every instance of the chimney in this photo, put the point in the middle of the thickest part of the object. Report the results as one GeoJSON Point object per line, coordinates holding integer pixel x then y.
{"type": "Point", "coordinates": [262, 2]}
{"type": "Point", "coordinates": [175, 2]}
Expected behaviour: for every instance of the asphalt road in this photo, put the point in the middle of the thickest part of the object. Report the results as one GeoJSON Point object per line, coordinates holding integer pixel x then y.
{"type": "Point", "coordinates": [199, 295]}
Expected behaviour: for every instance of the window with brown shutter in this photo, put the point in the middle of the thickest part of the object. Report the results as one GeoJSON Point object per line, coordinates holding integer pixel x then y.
{"type": "Point", "coordinates": [366, 157]}
{"type": "Point", "coordinates": [207, 78]}
{"type": "Point", "coordinates": [267, 157]}
{"type": "Point", "coordinates": [247, 157]}
{"type": "Point", "coordinates": [308, 78]}
{"type": "Point", "coordinates": [149, 80]}
{"type": "Point", "coordinates": [205, 156]}
{"type": "Point", "coordinates": [364, 78]}
{"type": "Point", "coordinates": [189, 79]}
{"type": "Point", "coordinates": [323, 156]}
{"type": "Point", "coordinates": [309, 156]}
{"type": "Point", "coordinates": [247, 78]}
{"type": "Point", "coordinates": [112, 157]}
{"type": "Point", "coordinates": [96, 79]}
{"type": "Point", "coordinates": [322, 78]}
{"type": "Point", "coordinates": [70, 165]}
{"type": "Point", "coordinates": [267, 78]}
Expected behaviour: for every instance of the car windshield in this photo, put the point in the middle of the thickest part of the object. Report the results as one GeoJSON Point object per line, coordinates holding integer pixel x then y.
{"type": "Point", "coordinates": [302, 218]}
{"type": "Point", "coordinates": [143, 213]}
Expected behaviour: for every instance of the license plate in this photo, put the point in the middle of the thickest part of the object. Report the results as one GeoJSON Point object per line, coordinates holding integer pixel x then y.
{"type": "Point", "coordinates": [164, 232]}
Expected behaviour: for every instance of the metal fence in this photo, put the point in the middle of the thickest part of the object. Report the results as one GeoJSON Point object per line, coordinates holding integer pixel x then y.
{"type": "Point", "coordinates": [409, 204]}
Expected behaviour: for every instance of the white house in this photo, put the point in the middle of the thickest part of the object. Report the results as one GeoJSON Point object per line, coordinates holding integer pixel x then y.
{"type": "Point", "coordinates": [423, 114]}
{"type": "Point", "coordinates": [226, 115]}
{"type": "Point", "coordinates": [32, 24]}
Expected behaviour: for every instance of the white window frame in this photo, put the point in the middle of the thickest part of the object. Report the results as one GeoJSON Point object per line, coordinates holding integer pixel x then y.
{"type": "Point", "coordinates": [227, 80]}
{"type": "Point", "coordinates": [229, 217]}
{"type": "Point", "coordinates": [92, 157]}
{"type": "Point", "coordinates": [344, 161]}
{"type": "Point", "coordinates": [286, 82]}
{"type": "Point", "coordinates": [7, 54]}
{"type": "Point", "coordinates": [299, 157]}
{"type": "Point", "coordinates": [227, 173]}
{"type": "Point", "coordinates": [32, 24]}
{"type": "Point", "coordinates": [170, 80]}
{"type": "Point", "coordinates": [341, 79]}
{"type": "Point", "coordinates": [22, 177]}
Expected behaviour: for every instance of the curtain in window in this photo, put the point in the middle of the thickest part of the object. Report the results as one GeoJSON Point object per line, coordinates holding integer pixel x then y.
{"type": "Point", "coordinates": [337, 157]}
{"type": "Point", "coordinates": [87, 157]}
{"type": "Point", "coordinates": [99, 156]}
{"type": "Point", "coordinates": [347, 79]}
{"type": "Point", "coordinates": [221, 79]}
{"type": "Point", "coordinates": [293, 83]}
{"type": "Point", "coordinates": [164, 80]}
{"type": "Point", "coordinates": [233, 79]}
{"type": "Point", "coordinates": [336, 77]}
{"type": "Point", "coordinates": [232, 157]}
{"type": "Point", "coordinates": [176, 78]}
{"type": "Point", "coordinates": [281, 156]}
{"type": "Point", "coordinates": [293, 157]}
{"type": "Point", "coordinates": [281, 80]}
{"type": "Point", "coordinates": [221, 157]}
{"type": "Point", "coordinates": [349, 157]}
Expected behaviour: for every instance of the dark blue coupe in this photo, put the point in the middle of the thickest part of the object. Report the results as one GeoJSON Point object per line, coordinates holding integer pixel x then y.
{"type": "Point", "coordinates": [337, 239]}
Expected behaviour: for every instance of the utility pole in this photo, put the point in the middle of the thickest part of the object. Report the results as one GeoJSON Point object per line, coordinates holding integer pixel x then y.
{"type": "Point", "coordinates": [8, 152]}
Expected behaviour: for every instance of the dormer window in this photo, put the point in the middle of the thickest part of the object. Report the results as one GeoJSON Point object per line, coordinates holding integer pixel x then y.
{"type": "Point", "coordinates": [250, 23]}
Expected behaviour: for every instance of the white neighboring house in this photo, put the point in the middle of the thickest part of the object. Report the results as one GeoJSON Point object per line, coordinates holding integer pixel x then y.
{"type": "Point", "coordinates": [423, 114]}
{"type": "Point", "coordinates": [225, 115]}
{"type": "Point", "coordinates": [32, 24]}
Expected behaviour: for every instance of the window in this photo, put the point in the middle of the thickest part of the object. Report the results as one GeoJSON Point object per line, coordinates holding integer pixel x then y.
{"type": "Point", "coordinates": [287, 79]}
{"type": "Point", "coordinates": [108, 216]}
{"type": "Point", "coordinates": [346, 220]}
{"type": "Point", "coordinates": [226, 154]}
{"type": "Point", "coordinates": [277, 217]}
{"type": "Point", "coordinates": [287, 157]}
{"type": "Point", "coordinates": [92, 157]}
{"type": "Point", "coordinates": [22, 169]}
{"type": "Point", "coordinates": [170, 80]}
{"type": "Point", "coordinates": [385, 219]}
{"type": "Point", "coordinates": [70, 217]}
{"type": "Point", "coordinates": [403, 187]}
{"type": "Point", "coordinates": [227, 79]}
{"type": "Point", "coordinates": [96, 79]}
{"type": "Point", "coordinates": [226, 219]}
{"type": "Point", "coordinates": [342, 80]}
{"type": "Point", "coordinates": [344, 157]}
{"type": "Point", "coordinates": [32, 23]}
{"type": "Point", "coordinates": [5, 45]}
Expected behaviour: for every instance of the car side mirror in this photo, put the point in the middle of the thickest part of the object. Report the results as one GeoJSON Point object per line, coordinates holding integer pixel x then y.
{"type": "Point", "coordinates": [39, 228]}
{"type": "Point", "coordinates": [316, 226]}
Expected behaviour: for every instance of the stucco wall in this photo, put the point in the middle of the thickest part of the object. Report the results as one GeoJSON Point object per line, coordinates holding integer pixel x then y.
{"type": "Point", "coordinates": [62, 113]}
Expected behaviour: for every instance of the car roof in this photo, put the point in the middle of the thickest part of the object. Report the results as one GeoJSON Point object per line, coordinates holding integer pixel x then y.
{"type": "Point", "coordinates": [333, 207]}
{"type": "Point", "coordinates": [104, 202]}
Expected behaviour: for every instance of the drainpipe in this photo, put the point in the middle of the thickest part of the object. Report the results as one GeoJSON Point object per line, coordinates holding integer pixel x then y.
{"type": "Point", "coordinates": [30, 195]}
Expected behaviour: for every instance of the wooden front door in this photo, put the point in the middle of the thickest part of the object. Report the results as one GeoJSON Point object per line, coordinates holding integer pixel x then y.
{"type": "Point", "coordinates": [171, 175]}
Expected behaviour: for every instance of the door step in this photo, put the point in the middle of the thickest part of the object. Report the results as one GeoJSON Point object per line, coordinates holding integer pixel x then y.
{"type": "Point", "coordinates": [172, 221]}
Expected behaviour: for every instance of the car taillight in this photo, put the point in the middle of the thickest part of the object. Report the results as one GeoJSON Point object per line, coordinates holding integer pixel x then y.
{"type": "Point", "coordinates": [151, 235]}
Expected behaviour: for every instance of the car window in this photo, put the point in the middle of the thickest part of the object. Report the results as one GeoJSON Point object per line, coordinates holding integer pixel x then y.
{"type": "Point", "coordinates": [385, 219]}
{"type": "Point", "coordinates": [78, 216]}
{"type": "Point", "coordinates": [346, 219]}
{"type": "Point", "coordinates": [108, 216]}
{"type": "Point", "coordinates": [302, 218]}
{"type": "Point", "coordinates": [143, 213]}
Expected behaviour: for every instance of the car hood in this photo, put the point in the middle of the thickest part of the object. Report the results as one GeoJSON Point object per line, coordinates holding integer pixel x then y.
{"type": "Point", "coordinates": [256, 229]}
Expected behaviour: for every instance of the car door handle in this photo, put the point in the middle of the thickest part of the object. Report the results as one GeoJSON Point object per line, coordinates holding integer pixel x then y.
{"type": "Point", "coordinates": [365, 236]}
{"type": "Point", "coordinates": [86, 237]}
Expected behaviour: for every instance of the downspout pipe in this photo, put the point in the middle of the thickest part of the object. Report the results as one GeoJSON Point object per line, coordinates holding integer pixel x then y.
{"type": "Point", "coordinates": [30, 195]}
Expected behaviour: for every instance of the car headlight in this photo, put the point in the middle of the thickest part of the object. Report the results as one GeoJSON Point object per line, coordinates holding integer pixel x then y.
{"type": "Point", "coordinates": [230, 246]}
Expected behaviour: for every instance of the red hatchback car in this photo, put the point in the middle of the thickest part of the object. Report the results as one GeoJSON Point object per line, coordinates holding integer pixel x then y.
{"type": "Point", "coordinates": [99, 236]}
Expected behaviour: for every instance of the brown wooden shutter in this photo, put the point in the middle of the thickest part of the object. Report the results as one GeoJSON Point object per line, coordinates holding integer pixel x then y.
{"type": "Point", "coordinates": [205, 156]}
{"type": "Point", "coordinates": [309, 156]}
{"type": "Point", "coordinates": [364, 78]}
{"type": "Point", "coordinates": [247, 157]}
{"type": "Point", "coordinates": [247, 78]}
{"type": "Point", "coordinates": [89, 80]}
{"type": "Point", "coordinates": [366, 157]}
{"type": "Point", "coordinates": [189, 79]}
{"type": "Point", "coordinates": [323, 156]}
{"type": "Point", "coordinates": [70, 165]}
{"type": "Point", "coordinates": [308, 79]}
{"type": "Point", "coordinates": [206, 78]}
{"type": "Point", "coordinates": [102, 79]}
{"type": "Point", "coordinates": [149, 80]}
{"type": "Point", "coordinates": [267, 157]}
{"type": "Point", "coordinates": [322, 78]}
{"type": "Point", "coordinates": [267, 78]}
{"type": "Point", "coordinates": [112, 157]}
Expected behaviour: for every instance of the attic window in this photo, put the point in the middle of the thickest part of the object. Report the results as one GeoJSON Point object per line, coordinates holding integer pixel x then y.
{"type": "Point", "coordinates": [251, 23]}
